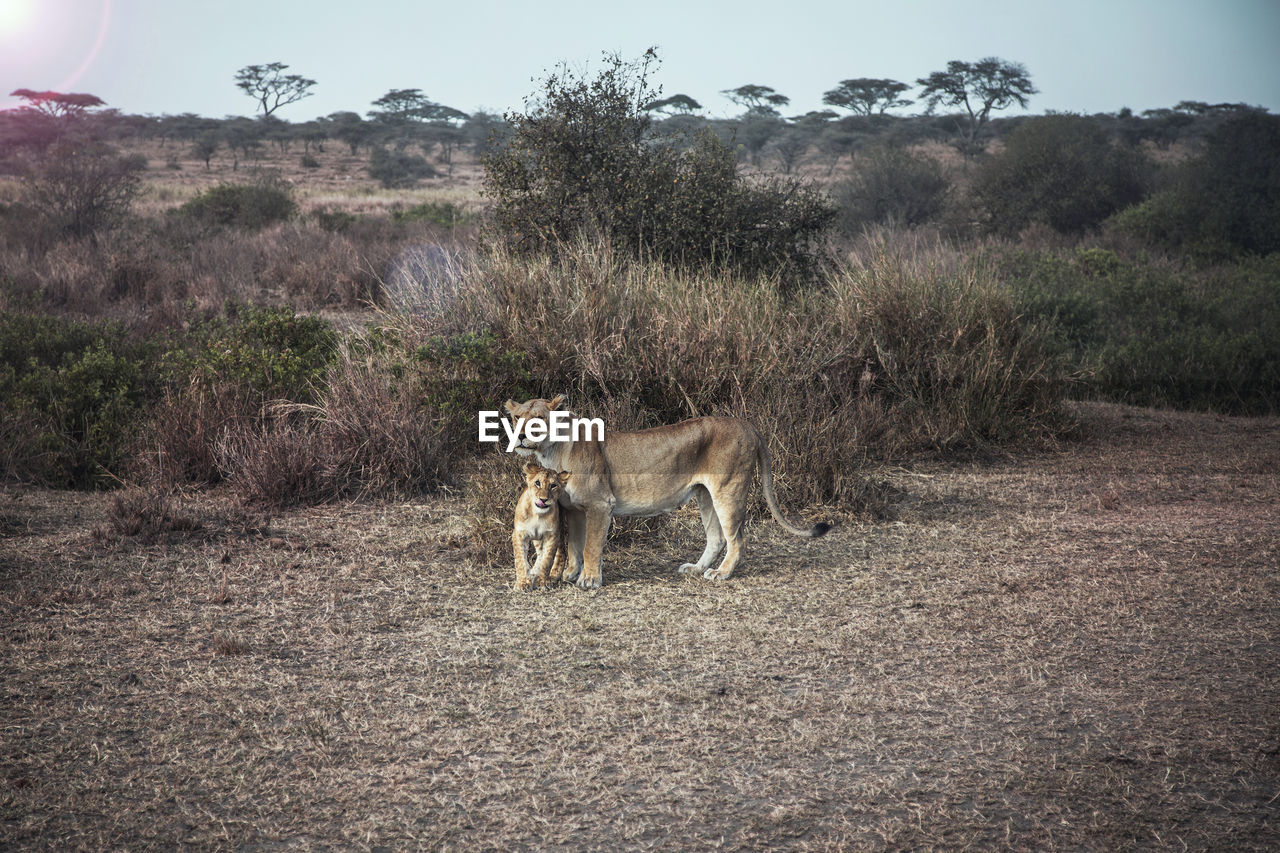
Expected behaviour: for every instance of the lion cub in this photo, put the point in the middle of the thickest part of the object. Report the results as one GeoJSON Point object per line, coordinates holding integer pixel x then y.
{"type": "Point", "coordinates": [538, 520]}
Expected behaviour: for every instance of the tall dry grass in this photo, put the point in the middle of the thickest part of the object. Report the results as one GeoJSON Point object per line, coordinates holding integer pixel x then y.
{"type": "Point", "coordinates": [903, 348]}
{"type": "Point", "coordinates": [154, 274]}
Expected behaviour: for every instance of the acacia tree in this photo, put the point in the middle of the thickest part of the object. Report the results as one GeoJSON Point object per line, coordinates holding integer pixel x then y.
{"type": "Point", "coordinates": [404, 105]}
{"type": "Point", "coordinates": [757, 100]}
{"type": "Point", "coordinates": [44, 118]}
{"type": "Point", "coordinates": [980, 87]}
{"type": "Point", "coordinates": [271, 87]}
{"type": "Point", "coordinates": [674, 105]}
{"type": "Point", "coordinates": [58, 105]}
{"type": "Point", "coordinates": [867, 95]}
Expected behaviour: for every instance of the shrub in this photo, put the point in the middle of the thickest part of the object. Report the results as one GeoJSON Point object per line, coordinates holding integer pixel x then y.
{"type": "Point", "coordinates": [336, 221]}
{"type": "Point", "coordinates": [80, 186]}
{"type": "Point", "coordinates": [272, 353]}
{"type": "Point", "coordinates": [70, 398]}
{"type": "Point", "coordinates": [893, 356]}
{"type": "Point", "coordinates": [891, 186]}
{"type": "Point", "coordinates": [1154, 333]}
{"type": "Point", "coordinates": [443, 213]}
{"type": "Point", "coordinates": [221, 376]}
{"type": "Point", "coordinates": [396, 169]}
{"type": "Point", "coordinates": [1059, 170]}
{"type": "Point", "coordinates": [1224, 201]}
{"type": "Point", "coordinates": [582, 161]}
{"type": "Point", "coordinates": [249, 207]}
{"type": "Point", "coordinates": [395, 414]}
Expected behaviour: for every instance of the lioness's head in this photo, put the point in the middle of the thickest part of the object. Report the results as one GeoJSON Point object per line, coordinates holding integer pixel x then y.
{"type": "Point", "coordinates": [522, 413]}
{"type": "Point", "coordinates": [545, 485]}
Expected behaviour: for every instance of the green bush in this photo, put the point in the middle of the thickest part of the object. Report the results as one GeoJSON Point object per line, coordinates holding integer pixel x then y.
{"type": "Point", "coordinates": [71, 395]}
{"type": "Point", "coordinates": [582, 160]}
{"type": "Point", "coordinates": [1059, 170]}
{"type": "Point", "coordinates": [250, 207]}
{"type": "Point", "coordinates": [397, 169]}
{"type": "Point", "coordinates": [222, 376]}
{"type": "Point", "coordinates": [891, 186]}
{"type": "Point", "coordinates": [1222, 202]}
{"type": "Point", "coordinates": [270, 353]}
{"type": "Point", "coordinates": [337, 221]}
{"type": "Point", "coordinates": [1153, 333]}
{"type": "Point", "coordinates": [444, 213]}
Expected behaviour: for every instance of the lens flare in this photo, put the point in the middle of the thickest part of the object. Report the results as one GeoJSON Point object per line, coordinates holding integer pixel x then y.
{"type": "Point", "coordinates": [15, 15]}
{"type": "Point", "coordinates": [50, 44]}
{"type": "Point", "coordinates": [92, 54]}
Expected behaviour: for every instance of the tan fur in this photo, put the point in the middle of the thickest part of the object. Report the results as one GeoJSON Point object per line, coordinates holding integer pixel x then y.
{"type": "Point", "coordinates": [540, 525]}
{"type": "Point", "coordinates": [653, 471]}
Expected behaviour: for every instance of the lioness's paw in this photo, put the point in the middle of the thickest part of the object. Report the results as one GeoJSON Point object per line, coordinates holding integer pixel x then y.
{"type": "Point", "coordinates": [571, 575]}
{"type": "Point", "coordinates": [689, 567]}
{"type": "Point", "coordinates": [716, 574]}
{"type": "Point", "coordinates": [585, 582]}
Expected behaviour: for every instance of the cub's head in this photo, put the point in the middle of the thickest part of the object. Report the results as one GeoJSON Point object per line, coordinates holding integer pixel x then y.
{"type": "Point", "coordinates": [522, 413]}
{"type": "Point", "coordinates": [544, 485]}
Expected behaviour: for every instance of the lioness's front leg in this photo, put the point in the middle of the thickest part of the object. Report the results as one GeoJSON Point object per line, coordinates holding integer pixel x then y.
{"type": "Point", "coordinates": [520, 544]}
{"type": "Point", "coordinates": [598, 521]}
{"type": "Point", "coordinates": [561, 561]}
{"type": "Point", "coordinates": [575, 529]}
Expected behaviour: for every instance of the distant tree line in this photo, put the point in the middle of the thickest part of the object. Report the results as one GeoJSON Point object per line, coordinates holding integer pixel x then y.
{"type": "Point", "coordinates": [408, 136]}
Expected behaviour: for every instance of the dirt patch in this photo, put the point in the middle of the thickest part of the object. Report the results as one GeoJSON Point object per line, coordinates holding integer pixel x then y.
{"type": "Point", "coordinates": [1054, 650]}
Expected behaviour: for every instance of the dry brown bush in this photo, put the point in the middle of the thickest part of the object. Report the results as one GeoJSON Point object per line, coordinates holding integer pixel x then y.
{"type": "Point", "coordinates": [905, 348]}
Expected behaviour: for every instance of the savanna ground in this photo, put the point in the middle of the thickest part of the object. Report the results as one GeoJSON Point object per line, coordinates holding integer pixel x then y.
{"type": "Point", "coordinates": [1066, 649]}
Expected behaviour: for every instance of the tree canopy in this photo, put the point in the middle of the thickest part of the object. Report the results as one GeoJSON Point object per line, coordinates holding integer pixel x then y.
{"type": "Point", "coordinates": [271, 87]}
{"type": "Point", "coordinates": [867, 95]}
{"type": "Point", "coordinates": [979, 87]}
{"type": "Point", "coordinates": [58, 104]}
{"type": "Point", "coordinates": [757, 100]}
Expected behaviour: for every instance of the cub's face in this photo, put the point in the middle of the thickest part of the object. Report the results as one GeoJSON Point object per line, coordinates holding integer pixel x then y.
{"type": "Point", "coordinates": [544, 486]}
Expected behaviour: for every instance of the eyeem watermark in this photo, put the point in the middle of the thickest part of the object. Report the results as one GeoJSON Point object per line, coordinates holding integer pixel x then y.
{"type": "Point", "coordinates": [559, 426]}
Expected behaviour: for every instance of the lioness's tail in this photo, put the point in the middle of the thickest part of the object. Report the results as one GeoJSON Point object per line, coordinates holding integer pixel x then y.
{"type": "Point", "coordinates": [766, 478]}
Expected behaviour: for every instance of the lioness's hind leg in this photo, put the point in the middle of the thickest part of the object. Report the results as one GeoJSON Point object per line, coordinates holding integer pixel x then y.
{"type": "Point", "coordinates": [731, 508]}
{"type": "Point", "coordinates": [711, 526]}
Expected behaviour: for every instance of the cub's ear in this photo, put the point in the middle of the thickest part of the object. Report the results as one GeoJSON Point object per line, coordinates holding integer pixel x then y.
{"type": "Point", "coordinates": [556, 402]}
{"type": "Point", "coordinates": [510, 406]}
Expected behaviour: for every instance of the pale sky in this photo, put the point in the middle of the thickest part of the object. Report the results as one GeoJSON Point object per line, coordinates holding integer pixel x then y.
{"type": "Point", "coordinates": [175, 56]}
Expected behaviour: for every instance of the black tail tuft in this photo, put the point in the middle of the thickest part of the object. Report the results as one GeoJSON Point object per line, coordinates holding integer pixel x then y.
{"type": "Point", "coordinates": [819, 529]}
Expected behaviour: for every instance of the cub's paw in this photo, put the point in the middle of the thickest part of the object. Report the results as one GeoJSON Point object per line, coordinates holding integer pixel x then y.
{"type": "Point", "coordinates": [524, 585]}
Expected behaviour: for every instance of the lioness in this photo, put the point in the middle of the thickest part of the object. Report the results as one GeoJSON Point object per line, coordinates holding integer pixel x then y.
{"type": "Point", "coordinates": [538, 520]}
{"type": "Point", "coordinates": [650, 472]}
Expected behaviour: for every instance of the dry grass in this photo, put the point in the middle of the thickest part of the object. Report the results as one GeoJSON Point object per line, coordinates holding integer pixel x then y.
{"type": "Point", "coordinates": [1071, 650]}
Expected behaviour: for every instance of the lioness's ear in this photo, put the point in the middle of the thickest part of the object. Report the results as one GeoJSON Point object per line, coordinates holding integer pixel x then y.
{"type": "Point", "coordinates": [510, 406]}
{"type": "Point", "coordinates": [530, 467]}
{"type": "Point", "coordinates": [556, 402]}
{"type": "Point", "coordinates": [564, 476]}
